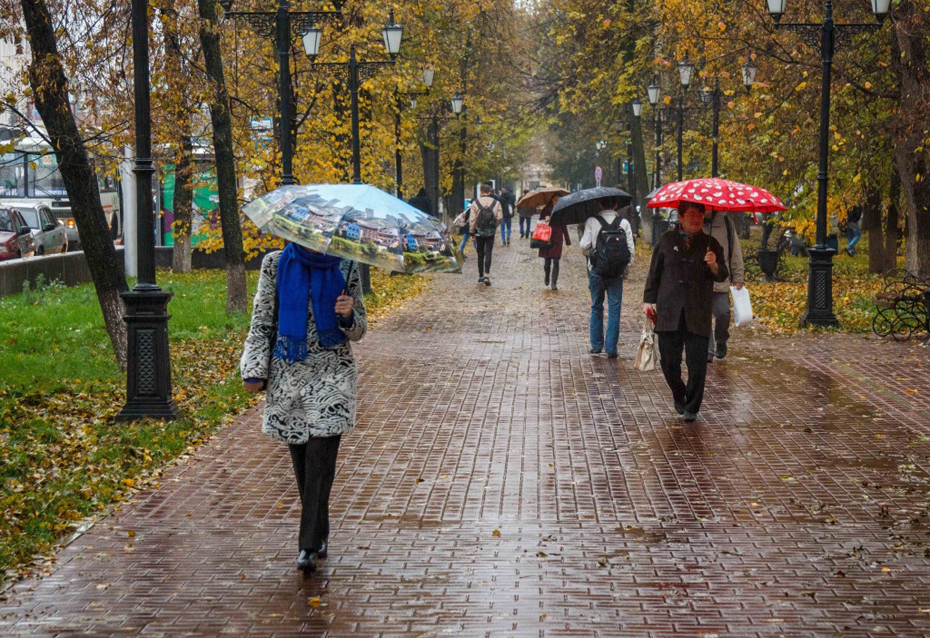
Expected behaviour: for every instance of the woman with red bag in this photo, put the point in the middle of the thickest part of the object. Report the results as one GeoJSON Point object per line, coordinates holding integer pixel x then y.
{"type": "Point", "coordinates": [553, 253]}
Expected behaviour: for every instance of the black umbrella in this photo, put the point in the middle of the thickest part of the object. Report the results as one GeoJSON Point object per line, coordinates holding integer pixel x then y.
{"type": "Point", "coordinates": [579, 206]}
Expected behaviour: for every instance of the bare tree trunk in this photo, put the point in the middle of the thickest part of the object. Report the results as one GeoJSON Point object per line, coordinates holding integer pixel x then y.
{"type": "Point", "coordinates": [183, 207]}
{"type": "Point", "coordinates": [50, 91]}
{"type": "Point", "coordinates": [872, 227]}
{"type": "Point", "coordinates": [225, 159]}
{"type": "Point", "coordinates": [892, 234]}
{"type": "Point", "coordinates": [178, 82]}
{"type": "Point", "coordinates": [910, 62]}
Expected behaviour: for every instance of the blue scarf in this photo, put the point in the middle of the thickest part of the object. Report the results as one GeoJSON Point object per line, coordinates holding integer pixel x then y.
{"type": "Point", "coordinates": [305, 277]}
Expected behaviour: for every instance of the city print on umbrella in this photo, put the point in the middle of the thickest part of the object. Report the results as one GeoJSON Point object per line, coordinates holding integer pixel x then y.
{"type": "Point", "coordinates": [357, 222]}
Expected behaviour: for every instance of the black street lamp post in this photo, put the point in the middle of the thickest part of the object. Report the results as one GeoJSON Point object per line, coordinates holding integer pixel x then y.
{"type": "Point", "coordinates": [652, 92]}
{"type": "Point", "coordinates": [829, 35]}
{"type": "Point", "coordinates": [282, 24]}
{"type": "Point", "coordinates": [148, 375]}
{"type": "Point", "coordinates": [685, 69]}
{"type": "Point", "coordinates": [428, 75]}
{"type": "Point", "coordinates": [457, 201]}
{"type": "Point", "coordinates": [712, 97]}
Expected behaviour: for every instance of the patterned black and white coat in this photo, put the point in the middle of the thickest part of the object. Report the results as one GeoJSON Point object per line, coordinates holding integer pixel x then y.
{"type": "Point", "coordinates": [310, 398]}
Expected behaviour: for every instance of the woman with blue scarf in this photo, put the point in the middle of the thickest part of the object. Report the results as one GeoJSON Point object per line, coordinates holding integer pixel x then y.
{"type": "Point", "coordinates": [307, 309]}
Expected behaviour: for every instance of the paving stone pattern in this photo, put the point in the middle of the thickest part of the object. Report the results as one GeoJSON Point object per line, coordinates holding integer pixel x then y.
{"type": "Point", "coordinates": [503, 482]}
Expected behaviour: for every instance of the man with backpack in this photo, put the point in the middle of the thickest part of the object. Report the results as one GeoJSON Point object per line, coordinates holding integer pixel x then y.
{"type": "Point", "coordinates": [608, 243]}
{"type": "Point", "coordinates": [485, 214]}
{"type": "Point", "coordinates": [719, 226]}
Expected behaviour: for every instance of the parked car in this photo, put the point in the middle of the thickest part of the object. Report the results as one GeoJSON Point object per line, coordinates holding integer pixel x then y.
{"type": "Point", "coordinates": [47, 230]}
{"type": "Point", "coordinates": [15, 236]}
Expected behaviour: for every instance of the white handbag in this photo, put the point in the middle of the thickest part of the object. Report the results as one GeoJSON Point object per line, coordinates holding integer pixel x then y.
{"type": "Point", "coordinates": [646, 351]}
{"type": "Point", "coordinates": [742, 306]}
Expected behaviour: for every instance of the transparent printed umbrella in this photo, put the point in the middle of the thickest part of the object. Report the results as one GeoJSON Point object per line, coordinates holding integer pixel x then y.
{"type": "Point", "coordinates": [357, 222]}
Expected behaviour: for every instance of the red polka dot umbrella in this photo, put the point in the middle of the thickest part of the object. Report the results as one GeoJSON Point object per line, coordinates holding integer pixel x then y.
{"type": "Point", "coordinates": [718, 194]}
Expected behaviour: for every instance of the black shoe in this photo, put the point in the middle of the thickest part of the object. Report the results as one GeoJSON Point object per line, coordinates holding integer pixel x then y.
{"type": "Point", "coordinates": [546, 281]}
{"type": "Point", "coordinates": [554, 287]}
{"type": "Point", "coordinates": [306, 561]}
{"type": "Point", "coordinates": [487, 281]}
{"type": "Point", "coordinates": [710, 357]}
{"type": "Point", "coordinates": [323, 551]}
{"type": "Point", "coordinates": [480, 280]}
{"type": "Point", "coordinates": [689, 416]}
{"type": "Point", "coordinates": [612, 355]}
{"type": "Point", "coordinates": [679, 407]}
{"type": "Point", "coordinates": [721, 350]}
{"type": "Point", "coordinates": [595, 350]}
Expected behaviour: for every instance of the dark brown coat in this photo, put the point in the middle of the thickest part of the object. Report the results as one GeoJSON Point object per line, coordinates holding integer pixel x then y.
{"type": "Point", "coordinates": [559, 235]}
{"type": "Point", "coordinates": [679, 280]}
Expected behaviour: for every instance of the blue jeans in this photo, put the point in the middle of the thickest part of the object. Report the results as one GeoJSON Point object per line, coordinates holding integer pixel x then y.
{"type": "Point", "coordinates": [465, 238]}
{"type": "Point", "coordinates": [525, 233]}
{"type": "Point", "coordinates": [613, 289]}
{"type": "Point", "coordinates": [853, 235]}
{"type": "Point", "coordinates": [505, 226]}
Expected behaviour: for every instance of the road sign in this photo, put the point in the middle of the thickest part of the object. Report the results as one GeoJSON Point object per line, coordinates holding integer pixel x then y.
{"type": "Point", "coordinates": [598, 174]}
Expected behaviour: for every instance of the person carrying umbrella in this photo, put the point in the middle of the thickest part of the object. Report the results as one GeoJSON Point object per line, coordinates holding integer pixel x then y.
{"type": "Point", "coordinates": [553, 253]}
{"type": "Point", "coordinates": [679, 295]}
{"type": "Point", "coordinates": [307, 309]}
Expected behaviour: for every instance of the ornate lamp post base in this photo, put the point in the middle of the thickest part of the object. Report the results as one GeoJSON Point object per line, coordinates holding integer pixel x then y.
{"type": "Point", "coordinates": [148, 388]}
{"type": "Point", "coordinates": [820, 289]}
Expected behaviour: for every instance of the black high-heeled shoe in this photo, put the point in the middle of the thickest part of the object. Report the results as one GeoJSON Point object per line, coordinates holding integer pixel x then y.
{"type": "Point", "coordinates": [306, 561]}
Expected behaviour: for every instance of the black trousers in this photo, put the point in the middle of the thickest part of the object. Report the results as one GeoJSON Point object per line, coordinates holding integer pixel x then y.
{"type": "Point", "coordinates": [551, 266]}
{"type": "Point", "coordinates": [695, 347]}
{"type": "Point", "coordinates": [485, 247]}
{"type": "Point", "coordinates": [315, 468]}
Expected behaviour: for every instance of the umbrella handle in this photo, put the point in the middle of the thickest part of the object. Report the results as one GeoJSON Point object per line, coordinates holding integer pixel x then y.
{"type": "Point", "coordinates": [349, 277]}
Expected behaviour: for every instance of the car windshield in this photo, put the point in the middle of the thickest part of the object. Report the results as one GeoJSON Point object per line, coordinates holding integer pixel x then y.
{"type": "Point", "coordinates": [6, 223]}
{"type": "Point", "coordinates": [31, 215]}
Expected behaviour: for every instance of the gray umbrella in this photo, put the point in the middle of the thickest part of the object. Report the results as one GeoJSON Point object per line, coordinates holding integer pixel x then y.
{"type": "Point", "coordinates": [579, 206]}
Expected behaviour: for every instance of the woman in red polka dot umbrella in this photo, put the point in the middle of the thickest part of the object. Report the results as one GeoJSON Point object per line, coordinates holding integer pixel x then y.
{"type": "Point", "coordinates": [717, 194]}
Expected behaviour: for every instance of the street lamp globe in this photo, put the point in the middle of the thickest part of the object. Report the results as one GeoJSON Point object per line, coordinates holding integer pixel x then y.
{"type": "Point", "coordinates": [311, 39]}
{"type": "Point", "coordinates": [393, 33]}
{"type": "Point", "coordinates": [413, 102]}
{"type": "Point", "coordinates": [880, 9]}
{"type": "Point", "coordinates": [227, 4]}
{"type": "Point", "coordinates": [428, 74]}
{"type": "Point", "coordinates": [685, 69]}
{"type": "Point", "coordinates": [776, 9]}
{"type": "Point", "coordinates": [749, 73]}
{"type": "Point", "coordinates": [706, 93]}
{"type": "Point", "coordinates": [653, 91]}
{"type": "Point", "coordinates": [457, 101]}
{"type": "Point", "coordinates": [637, 106]}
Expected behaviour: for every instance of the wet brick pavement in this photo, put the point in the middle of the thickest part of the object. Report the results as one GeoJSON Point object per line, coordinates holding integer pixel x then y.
{"type": "Point", "coordinates": [503, 482]}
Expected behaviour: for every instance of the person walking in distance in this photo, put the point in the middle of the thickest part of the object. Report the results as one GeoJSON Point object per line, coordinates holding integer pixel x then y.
{"type": "Point", "coordinates": [506, 200]}
{"type": "Point", "coordinates": [719, 226]}
{"type": "Point", "coordinates": [608, 243]}
{"type": "Point", "coordinates": [484, 214]}
{"type": "Point", "coordinates": [680, 294]}
{"type": "Point", "coordinates": [307, 309]}
{"type": "Point", "coordinates": [553, 253]}
{"type": "Point", "coordinates": [526, 220]}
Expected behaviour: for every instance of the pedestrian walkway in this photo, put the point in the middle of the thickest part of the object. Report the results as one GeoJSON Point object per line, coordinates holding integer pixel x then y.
{"type": "Point", "coordinates": [504, 482]}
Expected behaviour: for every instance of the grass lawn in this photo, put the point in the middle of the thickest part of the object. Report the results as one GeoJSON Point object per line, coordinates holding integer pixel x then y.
{"type": "Point", "coordinates": [62, 457]}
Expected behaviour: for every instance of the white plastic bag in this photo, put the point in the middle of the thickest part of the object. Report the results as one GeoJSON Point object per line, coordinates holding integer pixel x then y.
{"type": "Point", "coordinates": [646, 352]}
{"type": "Point", "coordinates": [742, 306]}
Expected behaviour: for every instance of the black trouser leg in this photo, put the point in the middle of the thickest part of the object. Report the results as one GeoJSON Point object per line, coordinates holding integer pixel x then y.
{"type": "Point", "coordinates": [696, 360]}
{"type": "Point", "coordinates": [670, 347]}
{"type": "Point", "coordinates": [555, 271]}
{"type": "Point", "coordinates": [547, 268]}
{"type": "Point", "coordinates": [488, 252]}
{"type": "Point", "coordinates": [480, 247]}
{"type": "Point", "coordinates": [721, 312]}
{"type": "Point", "coordinates": [315, 469]}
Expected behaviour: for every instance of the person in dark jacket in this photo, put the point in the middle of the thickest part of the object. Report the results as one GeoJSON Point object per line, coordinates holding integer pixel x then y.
{"type": "Point", "coordinates": [680, 294]}
{"type": "Point", "coordinates": [553, 253]}
{"type": "Point", "coordinates": [420, 201]}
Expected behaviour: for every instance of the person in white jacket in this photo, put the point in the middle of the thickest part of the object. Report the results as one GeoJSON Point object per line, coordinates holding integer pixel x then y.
{"type": "Point", "coordinates": [611, 287]}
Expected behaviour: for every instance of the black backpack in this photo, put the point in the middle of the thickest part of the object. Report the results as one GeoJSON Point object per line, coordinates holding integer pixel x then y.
{"type": "Point", "coordinates": [611, 252]}
{"type": "Point", "coordinates": [486, 223]}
